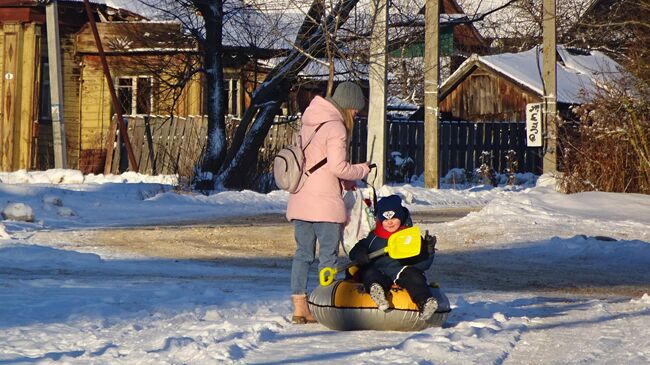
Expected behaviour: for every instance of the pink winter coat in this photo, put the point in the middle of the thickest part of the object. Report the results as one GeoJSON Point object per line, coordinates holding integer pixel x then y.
{"type": "Point", "coordinates": [320, 199]}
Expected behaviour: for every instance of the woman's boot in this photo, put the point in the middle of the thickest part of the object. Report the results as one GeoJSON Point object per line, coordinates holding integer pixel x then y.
{"type": "Point", "coordinates": [301, 313]}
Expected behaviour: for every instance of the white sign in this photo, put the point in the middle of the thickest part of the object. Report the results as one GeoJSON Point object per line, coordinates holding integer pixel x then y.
{"type": "Point", "coordinates": [534, 125]}
{"type": "Point", "coordinates": [55, 112]}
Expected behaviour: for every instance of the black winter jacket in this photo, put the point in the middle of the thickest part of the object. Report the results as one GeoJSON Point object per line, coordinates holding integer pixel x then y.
{"type": "Point", "coordinates": [384, 263]}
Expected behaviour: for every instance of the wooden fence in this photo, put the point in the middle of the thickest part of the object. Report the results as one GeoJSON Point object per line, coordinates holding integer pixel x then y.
{"type": "Point", "coordinates": [461, 144]}
{"type": "Point", "coordinates": [161, 145]}
{"type": "Point", "coordinates": [167, 146]}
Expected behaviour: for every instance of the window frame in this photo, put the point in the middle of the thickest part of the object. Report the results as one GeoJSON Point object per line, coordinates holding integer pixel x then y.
{"type": "Point", "coordinates": [233, 99]}
{"type": "Point", "coordinates": [134, 92]}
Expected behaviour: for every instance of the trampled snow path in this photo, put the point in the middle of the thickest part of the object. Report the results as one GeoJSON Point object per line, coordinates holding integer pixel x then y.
{"type": "Point", "coordinates": [68, 307]}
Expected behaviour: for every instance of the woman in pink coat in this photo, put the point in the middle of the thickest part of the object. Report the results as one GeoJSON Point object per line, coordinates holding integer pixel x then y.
{"type": "Point", "coordinates": [317, 209]}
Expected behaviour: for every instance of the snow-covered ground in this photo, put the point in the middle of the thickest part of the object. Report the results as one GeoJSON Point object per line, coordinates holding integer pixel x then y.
{"type": "Point", "coordinates": [63, 306]}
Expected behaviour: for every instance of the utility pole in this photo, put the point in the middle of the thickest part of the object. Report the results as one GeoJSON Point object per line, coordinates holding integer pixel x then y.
{"type": "Point", "coordinates": [431, 84]}
{"type": "Point", "coordinates": [56, 84]}
{"type": "Point", "coordinates": [549, 73]}
{"type": "Point", "coordinates": [377, 75]}
{"type": "Point", "coordinates": [111, 88]}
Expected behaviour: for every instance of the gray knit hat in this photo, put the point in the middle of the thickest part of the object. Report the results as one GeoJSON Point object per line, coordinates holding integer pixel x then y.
{"type": "Point", "coordinates": [348, 95]}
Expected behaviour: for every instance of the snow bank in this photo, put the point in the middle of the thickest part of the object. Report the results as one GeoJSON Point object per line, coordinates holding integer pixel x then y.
{"type": "Point", "coordinates": [66, 176]}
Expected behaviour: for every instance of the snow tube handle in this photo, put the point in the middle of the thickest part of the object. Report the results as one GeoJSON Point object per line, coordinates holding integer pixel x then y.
{"type": "Point", "coordinates": [326, 275]}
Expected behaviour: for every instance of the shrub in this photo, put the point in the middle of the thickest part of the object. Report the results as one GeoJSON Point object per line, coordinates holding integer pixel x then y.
{"type": "Point", "coordinates": [609, 149]}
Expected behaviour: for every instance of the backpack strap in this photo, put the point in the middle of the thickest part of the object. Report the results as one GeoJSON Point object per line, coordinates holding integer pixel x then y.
{"type": "Point", "coordinates": [316, 166]}
{"type": "Point", "coordinates": [321, 162]}
{"type": "Point", "coordinates": [312, 135]}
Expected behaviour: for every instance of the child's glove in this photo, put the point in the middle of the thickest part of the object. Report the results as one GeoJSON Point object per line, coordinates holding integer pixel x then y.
{"type": "Point", "coordinates": [429, 242]}
{"type": "Point", "coordinates": [360, 256]}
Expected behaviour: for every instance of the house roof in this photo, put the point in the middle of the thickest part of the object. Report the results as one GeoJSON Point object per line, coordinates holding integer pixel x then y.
{"type": "Point", "coordinates": [71, 12]}
{"type": "Point", "coordinates": [134, 37]}
{"type": "Point", "coordinates": [578, 71]}
{"type": "Point", "coordinates": [318, 69]}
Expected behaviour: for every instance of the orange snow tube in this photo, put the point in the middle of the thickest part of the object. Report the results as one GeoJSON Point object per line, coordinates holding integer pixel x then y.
{"type": "Point", "coordinates": [345, 306]}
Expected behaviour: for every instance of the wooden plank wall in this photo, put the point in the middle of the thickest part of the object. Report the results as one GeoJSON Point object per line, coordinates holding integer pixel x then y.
{"type": "Point", "coordinates": [93, 111]}
{"type": "Point", "coordinates": [486, 96]}
{"type": "Point", "coordinates": [71, 73]}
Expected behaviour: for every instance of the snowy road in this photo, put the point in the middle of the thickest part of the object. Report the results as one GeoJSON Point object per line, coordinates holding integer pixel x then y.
{"type": "Point", "coordinates": [529, 278]}
{"type": "Point", "coordinates": [76, 308]}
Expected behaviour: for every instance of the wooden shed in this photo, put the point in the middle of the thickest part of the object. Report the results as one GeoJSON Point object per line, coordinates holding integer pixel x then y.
{"type": "Point", "coordinates": [498, 87]}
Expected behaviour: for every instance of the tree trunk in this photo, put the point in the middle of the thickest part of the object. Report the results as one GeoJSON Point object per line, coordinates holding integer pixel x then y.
{"type": "Point", "coordinates": [212, 12]}
{"type": "Point", "coordinates": [266, 100]}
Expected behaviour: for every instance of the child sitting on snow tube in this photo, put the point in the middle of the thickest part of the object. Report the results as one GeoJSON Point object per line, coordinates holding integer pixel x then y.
{"type": "Point", "coordinates": [379, 274]}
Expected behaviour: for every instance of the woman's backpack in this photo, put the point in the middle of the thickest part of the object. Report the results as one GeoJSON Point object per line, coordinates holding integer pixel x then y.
{"type": "Point", "coordinates": [289, 165]}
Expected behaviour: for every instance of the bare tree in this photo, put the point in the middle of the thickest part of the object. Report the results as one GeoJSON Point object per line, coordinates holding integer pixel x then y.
{"type": "Point", "coordinates": [622, 30]}
{"type": "Point", "coordinates": [323, 37]}
{"type": "Point", "coordinates": [202, 20]}
{"type": "Point", "coordinates": [516, 25]}
{"type": "Point", "coordinates": [267, 99]}
{"type": "Point", "coordinates": [609, 150]}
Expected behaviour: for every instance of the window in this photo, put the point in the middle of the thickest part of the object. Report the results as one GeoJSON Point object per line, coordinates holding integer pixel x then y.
{"type": "Point", "coordinates": [125, 94]}
{"type": "Point", "coordinates": [231, 91]}
{"type": "Point", "coordinates": [135, 94]}
{"type": "Point", "coordinates": [45, 107]}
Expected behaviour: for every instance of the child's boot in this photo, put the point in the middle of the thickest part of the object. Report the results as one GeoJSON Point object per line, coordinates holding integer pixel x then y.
{"type": "Point", "coordinates": [378, 295]}
{"type": "Point", "coordinates": [428, 308]}
{"type": "Point", "coordinates": [301, 313]}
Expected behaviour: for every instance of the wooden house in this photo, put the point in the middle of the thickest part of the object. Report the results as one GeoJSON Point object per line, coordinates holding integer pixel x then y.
{"type": "Point", "coordinates": [459, 38]}
{"type": "Point", "coordinates": [483, 105]}
{"type": "Point", "coordinates": [498, 87]}
{"type": "Point", "coordinates": [458, 35]}
{"type": "Point", "coordinates": [140, 73]}
{"type": "Point", "coordinates": [26, 120]}
{"type": "Point", "coordinates": [144, 58]}
{"type": "Point", "coordinates": [26, 129]}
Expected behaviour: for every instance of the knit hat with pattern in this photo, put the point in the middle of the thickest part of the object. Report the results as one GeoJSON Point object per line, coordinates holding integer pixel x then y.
{"type": "Point", "coordinates": [391, 207]}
